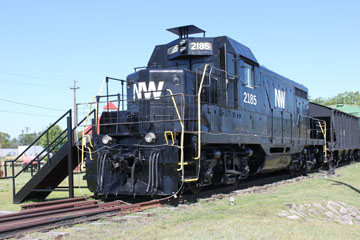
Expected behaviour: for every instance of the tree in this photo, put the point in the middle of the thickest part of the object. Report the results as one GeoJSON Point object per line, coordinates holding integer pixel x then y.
{"type": "Point", "coordinates": [53, 133]}
{"type": "Point", "coordinates": [341, 98]}
{"type": "Point", "coordinates": [27, 139]}
{"type": "Point", "coordinates": [14, 143]}
{"type": "Point", "coordinates": [4, 140]}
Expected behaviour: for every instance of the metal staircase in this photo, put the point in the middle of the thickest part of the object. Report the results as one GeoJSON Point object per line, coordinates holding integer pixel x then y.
{"type": "Point", "coordinates": [49, 168]}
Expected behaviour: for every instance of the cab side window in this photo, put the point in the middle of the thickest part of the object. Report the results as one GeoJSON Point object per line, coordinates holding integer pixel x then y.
{"type": "Point", "coordinates": [249, 77]}
{"type": "Point", "coordinates": [230, 81]}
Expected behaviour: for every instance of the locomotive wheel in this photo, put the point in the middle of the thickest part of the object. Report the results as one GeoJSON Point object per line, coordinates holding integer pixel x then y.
{"type": "Point", "coordinates": [193, 188]}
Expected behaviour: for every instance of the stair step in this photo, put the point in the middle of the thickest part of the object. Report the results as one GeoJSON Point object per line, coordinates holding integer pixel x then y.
{"type": "Point", "coordinates": [191, 179]}
{"type": "Point", "coordinates": [48, 177]}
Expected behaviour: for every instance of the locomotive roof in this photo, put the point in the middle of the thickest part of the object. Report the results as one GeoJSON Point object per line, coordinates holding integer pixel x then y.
{"type": "Point", "coordinates": [329, 108]}
{"type": "Point", "coordinates": [348, 108]}
{"type": "Point", "coordinates": [239, 49]}
{"type": "Point", "coordinates": [247, 53]}
{"type": "Point", "coordinates": [242, 50]}
{"type": "Point", "coordinates": [184, 31]}
{"type": "Point", "coordinates": [282, 78]}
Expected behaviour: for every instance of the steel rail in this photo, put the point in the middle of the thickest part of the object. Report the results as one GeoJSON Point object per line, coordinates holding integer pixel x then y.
{"type": "Point", "coordinates": [64, 212]}
{"type": "Point", "coordinates": [48, 203]}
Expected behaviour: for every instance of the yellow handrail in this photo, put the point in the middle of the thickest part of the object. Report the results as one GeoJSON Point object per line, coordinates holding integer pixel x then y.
{"type": "Point", "coordinates": [199, 112]}
{"type": "Point", "coordinates": [324, 133]}
{"type": "Point", "coordinates": [172, 137]}
{"type": "Point", "coordinates": [191, 180]}
{"type": "Point", "coordinates": [83, 142]}
{"type": "Point", "coordinates": [182, 135]}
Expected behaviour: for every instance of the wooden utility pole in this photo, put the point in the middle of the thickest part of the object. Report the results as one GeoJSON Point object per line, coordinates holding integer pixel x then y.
{"type": "Point", "coordinates": [22, 137]}
{"type": "Point", "coordinates": [75, 112]}
{"type": "Point", "coordinates": [26, 135]}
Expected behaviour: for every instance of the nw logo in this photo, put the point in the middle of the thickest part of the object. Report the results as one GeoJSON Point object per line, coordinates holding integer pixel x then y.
{"type": "Point", "coordinates": [279, 98]}
{"type": "Point", "coordinates": [140, 89]}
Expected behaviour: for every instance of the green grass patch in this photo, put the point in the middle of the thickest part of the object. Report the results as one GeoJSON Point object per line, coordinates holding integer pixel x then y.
{"type": "Point", "coordinates": [6, 196]}
{"type": "Point", "coordinates": [254, 216]}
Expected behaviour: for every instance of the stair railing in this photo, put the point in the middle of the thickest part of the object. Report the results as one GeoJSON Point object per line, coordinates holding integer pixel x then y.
{"type": "Point", "coordinates": [51, 147]}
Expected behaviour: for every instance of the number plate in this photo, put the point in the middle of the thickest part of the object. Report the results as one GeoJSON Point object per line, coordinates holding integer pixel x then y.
{"type": "Point", "coordinates": [250, 98]}
{"type": "Point", "coordinates": [200, 46]}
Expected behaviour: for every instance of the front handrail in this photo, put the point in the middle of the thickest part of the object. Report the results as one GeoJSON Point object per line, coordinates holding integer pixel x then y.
{"type": "Point", "coordinates": [182, 136]}
{"type": "Point", "coordinates": [199, 111]}
{"type": "Point", "coordinates": [79, 123]}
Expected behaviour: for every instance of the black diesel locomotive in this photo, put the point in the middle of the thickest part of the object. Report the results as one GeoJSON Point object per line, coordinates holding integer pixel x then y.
{"type": "Point", "coordinates": [204, 112]}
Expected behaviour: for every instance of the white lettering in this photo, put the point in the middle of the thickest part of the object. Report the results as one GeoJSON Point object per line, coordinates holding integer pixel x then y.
{"type": "Point", "coordinates": [279, 98]}
{"type": "Point", "coordinates": [250, 98]}
{"type": "Point", "coordinates": [141, 88]}
{"type": "Point", "coordinates": [195, 46]}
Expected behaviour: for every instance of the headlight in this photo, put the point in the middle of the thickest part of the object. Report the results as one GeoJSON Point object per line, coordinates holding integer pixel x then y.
{"type": "Point", "coordinates": [106, 139]}
{"type": "Point", "coordinates": [150, 137]}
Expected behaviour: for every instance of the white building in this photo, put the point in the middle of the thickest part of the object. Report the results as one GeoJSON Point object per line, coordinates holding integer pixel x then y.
{"type": "Point", "coordinates": [33, 151]}
{"type": "Point", "coordinates": [13, 152]}
{"type": "Point", "coordinates": [7, 152]}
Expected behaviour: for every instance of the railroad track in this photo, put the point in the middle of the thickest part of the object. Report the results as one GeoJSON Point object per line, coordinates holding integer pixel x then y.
{"type": "Point", "coordinates": [53, 214]}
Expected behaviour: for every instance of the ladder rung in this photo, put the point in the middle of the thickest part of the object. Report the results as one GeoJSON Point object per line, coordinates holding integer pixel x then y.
{"type": "Point", "coordinates": [185, 163]}
{"type": "Point", "coordinates": [194, 179]}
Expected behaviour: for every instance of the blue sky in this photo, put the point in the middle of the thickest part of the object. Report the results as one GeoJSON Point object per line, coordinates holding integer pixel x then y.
{"type": "Point", "coordinates": [45, 45]}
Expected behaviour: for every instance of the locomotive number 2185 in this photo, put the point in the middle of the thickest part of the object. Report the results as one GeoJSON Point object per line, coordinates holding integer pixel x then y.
{"type": "Point", "coordinates": [250, 98]}
{"type": "Point", "coordinates": [195, 46]}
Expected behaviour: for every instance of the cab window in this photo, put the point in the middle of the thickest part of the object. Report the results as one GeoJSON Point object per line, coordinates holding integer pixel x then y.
{"type": "Point", "coordinates": [230, 62]}
{"type": "Point", "coordinates": [231, 81]}
{"type": "Point", "coordinates": [248, 71]}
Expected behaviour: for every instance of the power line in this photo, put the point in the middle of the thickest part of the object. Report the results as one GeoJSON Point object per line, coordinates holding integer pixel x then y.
{"type": "Point", "coordinates": [39, 77]}
{"type": "Point", "coordinates": [88, 90]}
{"type": "Point", "coordinates": [23, 113]}
{"type": "Point", "coordinates": [25, 104]}
{"type": "Point", "coordinates": [33, 84]}
{"type": "Point", "coordinates": [86, 93]}
{"type": "Point", "coordinates": [32, 76]}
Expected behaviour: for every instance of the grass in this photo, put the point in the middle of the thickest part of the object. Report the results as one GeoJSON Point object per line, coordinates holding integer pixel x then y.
{"type": "Point", "coordinates": [254, 216]}
{"type": "Point", "coordinates": [6, 190]}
